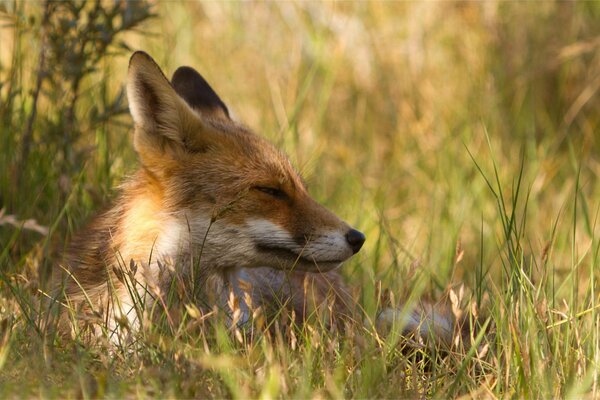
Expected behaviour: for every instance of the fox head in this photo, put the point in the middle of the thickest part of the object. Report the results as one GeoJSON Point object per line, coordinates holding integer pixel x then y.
{"type": "Point", "coordinates": [229, 194]}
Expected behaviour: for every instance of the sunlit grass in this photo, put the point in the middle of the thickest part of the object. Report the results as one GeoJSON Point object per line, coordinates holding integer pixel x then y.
{"type": "Point", "coordinates": [462, 138]}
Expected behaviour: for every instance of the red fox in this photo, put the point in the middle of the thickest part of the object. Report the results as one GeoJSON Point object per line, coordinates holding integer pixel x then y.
{"type": "Point", "coordinates": [213, 205]}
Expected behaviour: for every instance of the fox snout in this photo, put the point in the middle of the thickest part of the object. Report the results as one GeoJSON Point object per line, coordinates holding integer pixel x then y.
{"type": "Point", "coordinates": [355, 239]}
{"type": "Point", "coordinates": [318, 251]}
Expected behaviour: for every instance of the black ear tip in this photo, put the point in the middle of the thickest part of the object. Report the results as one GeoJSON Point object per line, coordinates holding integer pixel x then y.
{"type": "Point", "coordinates": [185, 78]}
{"type": "Point", "coordinates": [194, 89]}
{"type": "Point", "coordinates": [185, 73]}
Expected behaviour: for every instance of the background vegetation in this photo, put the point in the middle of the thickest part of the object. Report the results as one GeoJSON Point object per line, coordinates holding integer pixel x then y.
{"type": "Point", "coordinates": [462, 137]}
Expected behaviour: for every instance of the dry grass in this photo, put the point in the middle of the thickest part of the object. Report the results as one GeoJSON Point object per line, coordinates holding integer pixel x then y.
{"type": "Point", "coordinates": [462, 138]}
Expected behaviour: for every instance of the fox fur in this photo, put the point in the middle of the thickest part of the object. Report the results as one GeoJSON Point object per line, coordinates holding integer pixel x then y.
{"type": "Point", "coordinates": [214, 207]}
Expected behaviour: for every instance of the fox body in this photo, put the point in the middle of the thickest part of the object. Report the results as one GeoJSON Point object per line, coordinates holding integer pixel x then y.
{"type": "Point", "coordinates": [212, 204]}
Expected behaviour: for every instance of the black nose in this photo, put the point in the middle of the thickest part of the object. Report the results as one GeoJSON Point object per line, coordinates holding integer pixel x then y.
{"type": "Point", "coordinates": [355, 240]}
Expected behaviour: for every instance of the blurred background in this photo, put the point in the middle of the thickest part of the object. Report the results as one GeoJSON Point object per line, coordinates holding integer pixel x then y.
{"type": "Point", "coordinates": [462, 137]}
{"type": "Point", "coordinates": [395, 112]}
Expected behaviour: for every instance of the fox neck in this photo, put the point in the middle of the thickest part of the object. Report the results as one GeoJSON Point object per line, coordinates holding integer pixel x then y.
{"type": "Point", "coordinates": [150, 232]}
{"type": "Point", "coordinates": [145, 230]}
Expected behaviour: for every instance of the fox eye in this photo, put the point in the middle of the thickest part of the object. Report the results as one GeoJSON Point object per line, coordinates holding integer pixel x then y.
{"type": "Point", "coordinates": [274, 192]}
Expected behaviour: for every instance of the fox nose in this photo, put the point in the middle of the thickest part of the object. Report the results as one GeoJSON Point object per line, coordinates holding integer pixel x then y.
{"type": "Point", "coordinates": [355, 240]}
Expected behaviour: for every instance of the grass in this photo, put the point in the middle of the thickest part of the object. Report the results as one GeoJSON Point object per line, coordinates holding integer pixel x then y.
{"type": "Point", "coordinates": [462, 138]}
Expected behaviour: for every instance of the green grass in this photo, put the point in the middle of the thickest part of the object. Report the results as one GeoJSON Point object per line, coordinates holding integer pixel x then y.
{"type": "Point", "coordinates": [462, 138]}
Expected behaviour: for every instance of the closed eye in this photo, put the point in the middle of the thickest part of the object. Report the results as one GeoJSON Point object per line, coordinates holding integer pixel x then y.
{"type": "Point", "coordinates": [273, 192]}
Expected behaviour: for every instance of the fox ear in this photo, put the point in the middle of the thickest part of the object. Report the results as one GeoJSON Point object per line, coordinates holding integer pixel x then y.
{"type": "Point", "coordinates": [164, 122]}
{"type": "Point", "coordinates": [198, 94]}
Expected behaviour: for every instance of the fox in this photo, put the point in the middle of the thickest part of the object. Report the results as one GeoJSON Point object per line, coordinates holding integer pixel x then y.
{"type": "Point", "coordinates": [212, 206]}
